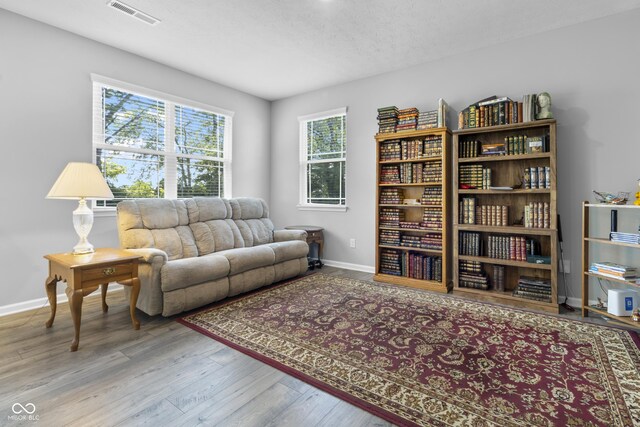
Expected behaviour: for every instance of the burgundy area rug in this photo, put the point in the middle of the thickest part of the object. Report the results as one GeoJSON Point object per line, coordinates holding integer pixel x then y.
{"type": "Point", "coordinates": [417, 358]}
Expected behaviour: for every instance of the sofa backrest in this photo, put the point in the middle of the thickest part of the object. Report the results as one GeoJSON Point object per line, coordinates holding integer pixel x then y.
{"type": "Point", "coordinates": [191, 227]}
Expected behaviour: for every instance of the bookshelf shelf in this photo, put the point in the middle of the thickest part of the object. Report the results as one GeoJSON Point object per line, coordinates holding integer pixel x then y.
{"type": "Point", "coordinates": [512, 229]}
{"type": "Point", "coordinates": [410, 134]}
{"type": "Point", "coordinates": [407, 206]}
{"type": "Point", "coordinates": [411, 260]}
{"type": "Point", "coordinates": [413, 184]}
{"type": "Point", "coordinates": [508, 128]}
{"type": "Point", "coordinates": [410, 249]}
{"type": "Point", "coordinates": [505, 237]}
{"type": "Point", "coordinates": [416, 160]}
{"type": "Point", "coordinates": [506, 192]}
{"type": "Point", "coordinates": [587, 240]}
{"type": "Point", "coordinates": [497, 296]}
{"type": "Point", "coordinates": [622, 319]}
{"type": "Point", "coordinates": [430, 285]}
{"type": "Point", "coordinates": [611, 279]}
{"type": "Point", "coordinates": [497, 261]}
{"type": "Point", "coordinates": [609, 242]}
{"type": "Point", "coordinates": [509, 158]}
{"type": "Point", "coordinates": [414, 230]}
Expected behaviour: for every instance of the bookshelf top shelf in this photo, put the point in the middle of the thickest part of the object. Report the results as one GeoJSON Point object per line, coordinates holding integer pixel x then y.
{"type": "Point", "coordinates": [604, 205]}
{"type": "Point", "coordinates": [411, 134]}
{"type": "Point", "coordinates": [510, 157]}
{"type": "Point", "coordinates": [514, 126]}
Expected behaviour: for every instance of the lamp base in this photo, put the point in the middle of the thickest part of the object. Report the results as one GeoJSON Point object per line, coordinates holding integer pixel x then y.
{"type": "Point", "coordinates": [83, 248]}
{"type": "Point", "coordinates": [82, 222]}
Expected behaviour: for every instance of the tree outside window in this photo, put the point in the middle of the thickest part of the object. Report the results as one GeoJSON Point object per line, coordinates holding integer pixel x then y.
{"type": "Point", "coordinates": [141, 156]}
{"type": "Point", "coordinates": [323, 146]}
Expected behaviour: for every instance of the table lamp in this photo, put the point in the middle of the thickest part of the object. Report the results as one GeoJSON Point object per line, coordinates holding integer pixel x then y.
{"type": "Point", "coordinates": [81, 181]}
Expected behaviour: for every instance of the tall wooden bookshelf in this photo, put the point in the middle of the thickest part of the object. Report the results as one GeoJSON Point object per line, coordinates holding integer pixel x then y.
{"type": "Point", "coordinates": [508, 171]}
{"type": "Point", "coordinates": [415, 213]}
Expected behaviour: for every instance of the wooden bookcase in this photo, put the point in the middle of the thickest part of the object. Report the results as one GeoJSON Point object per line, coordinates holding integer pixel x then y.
{"type": "Point", "coordinates": [415, 213]}
{"type": "Point", "coordinates": [587, 240]}
{"type": "Point", "coordinates": [507, 171]}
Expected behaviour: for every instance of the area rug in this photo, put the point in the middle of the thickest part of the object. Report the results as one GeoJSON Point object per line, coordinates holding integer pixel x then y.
{"type": "Point", "coordinates": [418, 358]}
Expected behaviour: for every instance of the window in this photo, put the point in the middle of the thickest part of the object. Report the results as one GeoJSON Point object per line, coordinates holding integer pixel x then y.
{"type": "Point", "coordinates": [323, 157]}
{"type": "Point", "coordinates": [153, 145]}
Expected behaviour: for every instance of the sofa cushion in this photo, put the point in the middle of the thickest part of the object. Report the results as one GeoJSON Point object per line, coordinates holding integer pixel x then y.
{"type": "Point", "coordinates": [285, 251]}
{"type": "Point", "coordinates": [243, 259]}
{"type": "Point", "coordinates": [255, 231]}
{"type": "Point", "coordinates": [156, 223]}
{"type": "Point", "coordinates": [182, 273]}
{"type": "Point", "coordinates": [201, 209]}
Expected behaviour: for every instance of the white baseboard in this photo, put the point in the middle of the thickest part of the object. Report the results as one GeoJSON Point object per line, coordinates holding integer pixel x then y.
{"type": "Point", "coordinates": [349, 266]}
{"type": "Point", "coordinates": [38, 303]}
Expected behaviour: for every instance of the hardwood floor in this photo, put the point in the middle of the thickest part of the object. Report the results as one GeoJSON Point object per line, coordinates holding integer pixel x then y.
{"type": "Point", "coordinates": [162, 374]}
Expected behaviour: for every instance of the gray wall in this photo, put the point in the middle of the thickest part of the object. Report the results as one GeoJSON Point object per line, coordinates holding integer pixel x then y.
{"type": "Point", "coordinates": [590, 69]}
{"type": "Point", "coordinates": [45, 122]}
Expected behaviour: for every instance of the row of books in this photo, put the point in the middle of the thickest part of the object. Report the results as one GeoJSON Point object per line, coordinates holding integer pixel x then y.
{"type": "Point", "coordinates": [471, 275]}
{"type": "Point", "coordinates": [420, 148]}
{"type": "Point", "coordinates": [514, 248]}
{"type": "Point", "coordinates": [411, 173]}
{"type": "Point", "coordinates": [391, 119]}
{"type": "Point", "coordinates": [421, 266]}
{"type": "Point", "coordinates": [474, 176]}
{"type": "Point", "coordinates": [631, 238]}
{"type": "Point", "coordinates": [427, 120]}
{"type": "Point", "coordinates": [431, 196]}
{"type": "Point", "coordinates": [537, 215]}
{"type": "Point", "coordinates": [410, 264]}
{"type": "Point", "coordinates": [469, 243]}
{"type": "Point", "coordinates": [494, 111]}
{"type": "Point", "coordinates": [387, 119]}
{"type": "Point", "coordinates": [389, 238]}
{"type": "Point", "coordinates": [407, 119]}
{"type": "Point", "coordinates": [471, 213]}
{"type": "Point", "coordinates": [533, 288]}
{"type": "Point", "coordinates": [413, 225]}
{"type": "Point", "coordinates": [427, 241]}
{"type": "Point", "coordinates": [512, 145]}
{"type": "Point", "coordinates": [537, 177]}
{"type": "Point", "coordinates": [391, 217]}
{"type": "Point", "coordinates": [432, 219]}
{"type": "Point", "coordinates": [391, 196]}
{"type": "Point", "coordinates": [390, 150]}
{"type": "Point", "coordinates": [498, 278]}
{"type": "Point", "coordinates": [615, 271]}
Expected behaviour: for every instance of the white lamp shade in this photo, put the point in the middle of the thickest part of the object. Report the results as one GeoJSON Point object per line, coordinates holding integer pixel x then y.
{"type": "Point", "coordinates": [78, 181]}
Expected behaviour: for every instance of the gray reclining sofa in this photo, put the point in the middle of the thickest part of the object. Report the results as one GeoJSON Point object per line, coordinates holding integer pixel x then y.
{"type": "Point", "coordinates": [200, 250]}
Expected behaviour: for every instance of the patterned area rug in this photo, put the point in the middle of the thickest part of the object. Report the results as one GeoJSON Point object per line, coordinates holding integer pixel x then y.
{"type": "Point", "coordinates": [417, 358]}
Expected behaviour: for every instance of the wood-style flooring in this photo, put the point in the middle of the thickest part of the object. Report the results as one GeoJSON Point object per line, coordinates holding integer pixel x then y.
{"type": "Point", "coordinates": [164, 374]}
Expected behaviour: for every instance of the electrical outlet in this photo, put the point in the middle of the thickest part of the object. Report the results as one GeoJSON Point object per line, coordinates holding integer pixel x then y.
{"type": "Point", "coordinates": [352, 243]}
{"type": "Point", "coordinates": [566, 268]}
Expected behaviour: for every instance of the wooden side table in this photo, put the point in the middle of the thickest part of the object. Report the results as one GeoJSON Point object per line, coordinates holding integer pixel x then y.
{"type": "Point", "coordinates": [315, 235]}
{"type": "Point", "coordinates": [84, 274]}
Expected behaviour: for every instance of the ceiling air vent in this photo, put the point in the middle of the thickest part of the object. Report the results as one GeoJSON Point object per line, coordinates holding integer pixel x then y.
{"type": "Point", "coordinates": [131, 11]}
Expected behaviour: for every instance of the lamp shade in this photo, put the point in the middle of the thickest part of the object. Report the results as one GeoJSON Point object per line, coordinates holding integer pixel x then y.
{"type": "Point", "coordinates": [80, 181]}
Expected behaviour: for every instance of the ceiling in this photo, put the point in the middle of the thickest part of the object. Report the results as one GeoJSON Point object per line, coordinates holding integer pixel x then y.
{"type": "Point", "coordinates": [278, 48]}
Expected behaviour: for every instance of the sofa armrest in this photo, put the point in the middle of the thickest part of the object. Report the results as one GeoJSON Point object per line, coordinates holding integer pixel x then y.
{"type": "Point", "coordinates": [287, 235]}
{"type": "Point", "coordinates": [151, 255]}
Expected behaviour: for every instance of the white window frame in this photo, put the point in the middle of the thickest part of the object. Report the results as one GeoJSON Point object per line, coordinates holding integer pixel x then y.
{"type": "Point", "coordinates": [303, 120]}
{"type": "Point", "coordinates": [171, 157]}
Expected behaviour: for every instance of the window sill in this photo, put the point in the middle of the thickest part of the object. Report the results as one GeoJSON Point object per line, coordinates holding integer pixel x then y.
{"type": "Point", "coordinates": [104, 212]}
{"type": "Point", "coordinates": [325, 208]}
